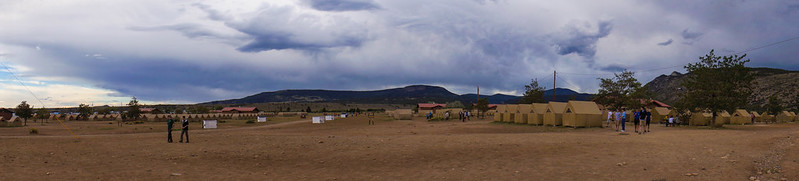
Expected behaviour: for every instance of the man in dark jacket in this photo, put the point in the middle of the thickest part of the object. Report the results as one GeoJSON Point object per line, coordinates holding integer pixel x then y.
{"type": "Point", "coordinates": [185, 130]}
{"type": "Point", "coordinates": [169, 124]}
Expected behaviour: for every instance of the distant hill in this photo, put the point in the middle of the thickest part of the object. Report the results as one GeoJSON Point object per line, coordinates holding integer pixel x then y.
{"type": "Point", "coordinates": [406, 95]}
{"type": "Point", "coordinates": [564, 95]}
{"type": "Point", "coordinates": [768, 81]}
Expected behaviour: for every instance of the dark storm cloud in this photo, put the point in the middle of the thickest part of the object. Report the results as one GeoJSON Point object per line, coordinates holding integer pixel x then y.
{"type": "Point", "coordinates": [614, 68]}
{"type": "Point", "coordinates": [266, 42]}
{"type": "Point", "coordinates": [666, 43]}
{"type": "Point", "coordinates": [343, 5]}
{"type": "Point", "coordinates": [687, 35]}
{"type": "Point", "coordinates": [583, 43]}
{"type": "Point", "coordinates": [186, 29]}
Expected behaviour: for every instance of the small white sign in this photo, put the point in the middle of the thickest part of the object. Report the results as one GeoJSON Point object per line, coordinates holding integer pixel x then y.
{"type": "Point", "coordinates": [261, 119]}
{"type": "Point", "coordinates": [318, 120]}
{"type": "Point", "coordinates": [209, 124]}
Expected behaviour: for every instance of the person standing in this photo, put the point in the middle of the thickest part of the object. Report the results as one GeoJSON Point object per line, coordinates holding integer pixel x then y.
{"type": "Point", "coordinates": [169, 124]}
{"type": "Point", "coordinates": [617, 116]}
{"type": "Point", "coordinates": [637, 119]}
{"type": "Point", "coordinates": [623, 120]}
{"type": "Point", "coordinates": [607, 122]}
{"type": "Point", "coordinates": [648, 119]}
{"type": "Point", "coordinates": [185, 130]}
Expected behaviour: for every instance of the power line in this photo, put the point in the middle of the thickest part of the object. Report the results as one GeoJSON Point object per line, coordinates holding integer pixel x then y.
{"type": "Point", "coordinates": [36, 97]}
{"type": "Point", "coordinates": [767, 45]}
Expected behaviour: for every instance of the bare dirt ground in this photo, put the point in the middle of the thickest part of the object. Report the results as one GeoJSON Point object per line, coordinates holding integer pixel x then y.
{"type": "Point", "coordinates": [350, 149]}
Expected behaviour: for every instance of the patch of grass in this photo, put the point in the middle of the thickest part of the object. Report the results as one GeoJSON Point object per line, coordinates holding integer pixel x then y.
{"type": "Point", "coordinates": [105, 128]}
{"type": "Point", "coordinates": [34, 131]}
{"type": "Point", "coordinates": [250, 122]}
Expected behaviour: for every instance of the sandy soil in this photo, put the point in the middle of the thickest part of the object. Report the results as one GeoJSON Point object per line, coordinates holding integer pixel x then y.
{"type": "Point", "coordinates": [350, 149]}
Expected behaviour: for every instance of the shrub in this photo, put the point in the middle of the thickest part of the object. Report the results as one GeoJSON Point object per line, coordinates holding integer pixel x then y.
{"type": "Point", "coordinates": [34, 131]}
{"type": "Point", "coordinates": [250, 122]}
{"type": "Point", "coordinates": [138, 122]}
{"type": "Point", "coordinates": [437, 119]}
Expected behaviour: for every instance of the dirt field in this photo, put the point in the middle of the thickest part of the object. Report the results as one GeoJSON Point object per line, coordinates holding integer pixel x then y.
{"type": "Point", "coordinates": [350, 149]}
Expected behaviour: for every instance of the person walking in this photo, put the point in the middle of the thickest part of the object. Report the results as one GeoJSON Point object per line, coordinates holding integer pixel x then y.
{"type": "Point", "coordinates": [169, 124]}
{"type": "Point", "coordinates": [617, 116]}
{"type": "Point", "coordinates": [185, 130]}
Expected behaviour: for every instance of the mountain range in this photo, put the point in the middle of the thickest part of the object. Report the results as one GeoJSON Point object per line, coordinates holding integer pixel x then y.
{"type": "Point", "coordinates": [406, 95]}
{"type": "Point", "coordinates": [768, 81]}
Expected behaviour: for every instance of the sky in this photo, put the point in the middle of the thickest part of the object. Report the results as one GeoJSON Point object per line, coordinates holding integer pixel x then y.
{"type": "Point", "coordinates": [64, 53]}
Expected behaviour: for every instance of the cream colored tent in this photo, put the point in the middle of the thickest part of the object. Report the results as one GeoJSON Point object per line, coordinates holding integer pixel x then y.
{"type": "Point", "coordinates": [523, 113]}
{"type": "Point", "coordinates": [511, 113]}
{"type": "Point", "coordinates": [582, 114]}
{"type": "Point", "coordinates": [537, 117]}
{"type": "Point", "coordinates": [723, 118]}
{"type": "Point", "coordinates": [700, 119]}
{"type": "Point", "coordinates": [554, 113]}
{"type": "Point", "coordinates": [764, 117]}
{"type": "Point", "coordinates": [659, 115]}
{"type": "Point", "coordinates": [403, 114]}
{"type": "Point", "coordinates": [15, 121]}
{"type": "Point", "coordinates": [501, 111]}
{"type": "Point", "coordinates": [784, 117]}
{"type": "Point", "coordinates": [741, 117]}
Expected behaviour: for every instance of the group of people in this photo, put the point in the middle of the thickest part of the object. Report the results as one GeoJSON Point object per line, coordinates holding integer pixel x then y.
{"type": "Point", "coordinates": [463, 116]}
{"type": "Point", "coordinates": [184, 129]}
{"type": "Point", "coordinates": [641, 119]}
{"type": "Point", "coordinates": [673, 121]}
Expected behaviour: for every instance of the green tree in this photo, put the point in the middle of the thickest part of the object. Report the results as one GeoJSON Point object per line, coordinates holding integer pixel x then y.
{"type": "Point", "coordinates": [133, 109]}
{"type": "Point", "coordinates": [774, 105]}
{"type": "Point", "coordinates": [482, 106]}
{"type": "Point", "coordinates": [197, 110]}
{"type": "Point", "coordinates": [621, 91]}
{"type": "Point", "coordinates": [84, 111]}
{"type": "Point", "coordinates": [104, 111]}
{"type": "Point", "coordinates": [455, 104]}
{"type": "Point", "coordinates": [533, 93]}
{"type": "Point", "coordinates": [308, 109]}
{"type": "Point", "coordinates": [717, 83]}
{"type": "Point", "coordinates": [24, 111]}
{"type": "Point", "coordinates": [43, 114]}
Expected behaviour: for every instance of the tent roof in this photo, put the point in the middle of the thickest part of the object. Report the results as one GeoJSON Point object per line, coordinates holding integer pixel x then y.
{"type": "Point", "coordinates": [512, 107]}
{"type": "Point", "coordinates": [740, 112]}
{"type": "Point", "coordinates": [557, 107]}
{"type": "Point", "coordinates": [430, 106]}
{"type": "Point", "coordinates": [540, 108]}
{"type": "Point", "coordinates": [724, 114]}
{"type": "Point", "coordinates": [661, 110]}
{"type": "Point", "coordinates": [583, 107]}
{"type": "Point", "coordinates": [525, 108]}
{"type": "Point", "coordinates": [242, 109]}
{"type": "Point", "coordinates": [502, 108]}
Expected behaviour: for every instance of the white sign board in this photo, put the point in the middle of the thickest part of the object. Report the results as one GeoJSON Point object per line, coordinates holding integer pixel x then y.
{"type": "Point", "coordinates": [343, 115]}
{"type": "Point", "coordinates": [209, 124]}
{"type": "Point", "coordinates": [329, 118]}
{"type": "Point", "coordinates": [318, 119]}
{"type": "Point", "coordinates": [261, 119]}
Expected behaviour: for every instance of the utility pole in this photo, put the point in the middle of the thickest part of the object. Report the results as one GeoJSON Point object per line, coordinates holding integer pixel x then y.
{"type": "Point", "coordinates": [554, 86]}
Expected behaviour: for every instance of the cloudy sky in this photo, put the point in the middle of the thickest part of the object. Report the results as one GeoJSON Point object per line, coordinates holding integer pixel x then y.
{"type": "Point", "coordinates": [104, 52]}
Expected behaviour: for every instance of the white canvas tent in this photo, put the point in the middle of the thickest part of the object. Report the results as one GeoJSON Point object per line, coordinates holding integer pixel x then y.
{"type": "Point", "coordinates": [318, 120]}
{"type": "Point", "coordinates": [329, 118]}
{"type": "Point", "coordinates": [209, 124]}
{"type": "Point", "coordinates": [261, 119]}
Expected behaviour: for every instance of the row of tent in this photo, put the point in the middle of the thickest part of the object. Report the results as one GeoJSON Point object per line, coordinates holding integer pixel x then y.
{"type": "Point", "coordinates": [741, 116]}
{"type": "Point", "coordinates": [401, 114]}
{"type": "Point", "coordinates": [571, 114]}
{"type": "Point", "coordinates": [588, 114]}
{"type": "Point", "coordinates": [156, 117]}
